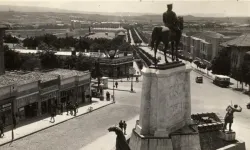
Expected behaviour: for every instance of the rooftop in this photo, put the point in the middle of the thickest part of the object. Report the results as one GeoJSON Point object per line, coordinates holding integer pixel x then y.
{"type": "Point", "coordinates": [241, 41]}
{"type": "Point", "coordinates": [21, 78]}
{"type": "Point", "coordinates": [210, 34]}
{"type": "Point", "coordinates": [65, 73]}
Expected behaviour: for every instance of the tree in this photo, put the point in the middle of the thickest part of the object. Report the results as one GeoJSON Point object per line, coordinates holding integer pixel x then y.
{"type": "Point", "coordinates": [246, 73]}
{"type": "Point", "coordinates": [10, 39]}
{"type": "Point", "coordinates": [221, 63]}
{"type": "Point", "coordinates": [30, 62]}
{"type": "Point", "coordinates": [48, 60]}
{"type": "Point", "coordinates": [12, 59]}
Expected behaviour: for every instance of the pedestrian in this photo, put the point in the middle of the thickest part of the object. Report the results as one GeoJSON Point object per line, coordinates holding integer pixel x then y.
{"type": "Point", "coordinates": [116, 84]}
{"type": "Point", "coordinates": [107, 95]}
{"type": "Point", "coordinates": [121, 125]}
{"type": "Point", "coordinates": [1, 129]}
{"type": "Point", "coordinates": [52, 116]}
{"type": "Point", "coordinates": [127, 77]}
{"type": "Point", "coordinates": [124, 127]}
{"type": "Point", "coordinates": [3, 119]}
{"type": "Point", "coordinates": [137, 80]}
{"type": "Point", "coordinates": [61, 108]}
{"type": "Point", "coordinates": [76, 107]}
{"type": "Point", "coordinates": [67, 108]}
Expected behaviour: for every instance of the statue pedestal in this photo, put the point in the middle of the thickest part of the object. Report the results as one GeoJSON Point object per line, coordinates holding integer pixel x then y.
{"type": "Point", "coordinates": [165, 108]}
{"type": "Point", "coordinates": [227, 135]}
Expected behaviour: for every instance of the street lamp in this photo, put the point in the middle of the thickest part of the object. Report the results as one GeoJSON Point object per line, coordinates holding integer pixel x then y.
{"type": "Point", "coordinates": [112, 56]}
{"type": "Point", "coordinates": [132, 72]}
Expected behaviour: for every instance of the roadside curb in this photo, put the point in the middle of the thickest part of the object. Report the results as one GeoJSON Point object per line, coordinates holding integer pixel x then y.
{"type": "Point", "coordinates": [55, 124]}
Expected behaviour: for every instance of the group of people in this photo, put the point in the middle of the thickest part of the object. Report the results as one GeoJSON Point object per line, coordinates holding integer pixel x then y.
{"type": "Point", "coordinates": [70, 107]}
{"type": "Point", "coordinates": [123, 126]}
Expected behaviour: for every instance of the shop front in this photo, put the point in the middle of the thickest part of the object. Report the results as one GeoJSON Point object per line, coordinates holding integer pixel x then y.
{"type": "Point", "coordinates": [47, 101]}
{"type": "Point", "coordinates": [27, 106]}
{"type": "Point", "coordinates": [83, 89]}
{"type": "Point", "coordinates": [6, 110]}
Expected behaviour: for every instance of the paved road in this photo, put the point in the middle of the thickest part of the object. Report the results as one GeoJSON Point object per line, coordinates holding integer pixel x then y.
{"type": "Point", "coordinates": [78, 132]}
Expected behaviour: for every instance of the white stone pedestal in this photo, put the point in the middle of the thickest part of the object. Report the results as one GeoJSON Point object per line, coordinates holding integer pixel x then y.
{"type": "Point", "coordinates": [165, 101]}
{"type": "Point", "coordinates": [165, 108]}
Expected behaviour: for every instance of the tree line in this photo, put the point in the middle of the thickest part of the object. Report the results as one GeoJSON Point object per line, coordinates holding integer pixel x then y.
{"type": "Point", "coordinates": [45, 60]}
{"type": "Point", "coordinates": [49, 41]}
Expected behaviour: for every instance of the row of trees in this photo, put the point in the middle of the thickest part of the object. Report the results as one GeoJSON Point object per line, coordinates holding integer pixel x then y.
{"type": "Point", "coordinates": [49, 41]}
{"type": "Point", "coordinates": [45, 60]}
{"type": "Point", "coordinates": [10, 39]}
{"type": "Point", "coordinates": [143, 37]}
{"type": "Point", "coordinates": [135, 37]}
{"type": "Point", "coordinates": [128, 35]}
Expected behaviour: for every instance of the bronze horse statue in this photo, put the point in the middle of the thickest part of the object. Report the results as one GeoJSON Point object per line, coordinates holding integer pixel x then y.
{"type": "Point", "coordinates": [121, 143]}
{"type": "Point", "coordinates": [163, 34]}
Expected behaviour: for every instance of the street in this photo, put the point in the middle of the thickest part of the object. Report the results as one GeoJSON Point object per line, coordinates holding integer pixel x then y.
{"type": "Point", "coordinates": [78, 132]}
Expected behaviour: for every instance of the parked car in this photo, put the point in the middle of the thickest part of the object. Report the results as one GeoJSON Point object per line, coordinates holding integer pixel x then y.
{"type": "Point", "coordinates": [221, 80]}
{"type": "Point", "coordinates": [248, 105]}
{"type": "Point", "coordinates": [199, 79]}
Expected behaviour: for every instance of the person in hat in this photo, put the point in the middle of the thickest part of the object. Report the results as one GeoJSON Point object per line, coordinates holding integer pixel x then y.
{"type": "Point", "coordinates": [170, 19]}
{"type": "Point", "coordinates": [230, 115]}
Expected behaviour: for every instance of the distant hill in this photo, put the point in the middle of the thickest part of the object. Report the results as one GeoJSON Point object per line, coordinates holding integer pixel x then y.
{"type": "Point", "coordinates": [102, 16]}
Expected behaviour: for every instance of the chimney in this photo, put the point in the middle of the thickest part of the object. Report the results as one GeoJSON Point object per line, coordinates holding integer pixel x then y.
{"type": "Point", "coordinates": [2, 67]}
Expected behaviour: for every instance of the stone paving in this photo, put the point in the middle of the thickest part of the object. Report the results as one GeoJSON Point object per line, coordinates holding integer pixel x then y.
{"type": "Point", "coordinates": [45, 123]}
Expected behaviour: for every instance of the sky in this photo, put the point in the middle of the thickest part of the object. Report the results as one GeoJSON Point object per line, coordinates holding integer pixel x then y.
{"type": "Point", "coordinates": [224, 8]}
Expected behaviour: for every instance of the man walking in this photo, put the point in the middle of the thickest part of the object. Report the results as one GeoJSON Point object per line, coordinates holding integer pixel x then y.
{"type": "Point", "coordinates": [124, 127]}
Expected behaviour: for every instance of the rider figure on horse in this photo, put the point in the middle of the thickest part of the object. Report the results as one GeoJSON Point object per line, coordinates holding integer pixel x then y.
{"type": "Point", "coordinates": [170, 19]}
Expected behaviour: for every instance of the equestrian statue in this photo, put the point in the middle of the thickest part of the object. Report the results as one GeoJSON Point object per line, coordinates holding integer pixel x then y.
{"type": "Point", "coordinates": [121, 143]}
{"type": "Point", "coordinates": [171, 32]}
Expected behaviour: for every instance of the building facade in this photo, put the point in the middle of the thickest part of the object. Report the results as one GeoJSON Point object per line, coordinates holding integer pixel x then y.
{"type": "Point", "coordinates": [203, 45]}
{"type": "Point", "coordinates": [237, 48]}
{"type": "Point", "coordinates": [31, 94]}
{"type": "Point", "coordinates": [117, 67]}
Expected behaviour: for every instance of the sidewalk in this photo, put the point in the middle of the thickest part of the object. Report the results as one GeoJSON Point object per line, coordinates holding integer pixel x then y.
{"type": "Point", "coordinates": [107, 142]}
{"type": "Point", "coordinates": [45, 123]}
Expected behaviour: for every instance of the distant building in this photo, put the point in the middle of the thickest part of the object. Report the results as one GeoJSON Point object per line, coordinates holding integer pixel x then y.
{"type": "Point", "coordinates": [106, 25]}
{"type": "Point", "coordinates": [204, 45]}
{"type": "Point", "coordinates": [237, 48]}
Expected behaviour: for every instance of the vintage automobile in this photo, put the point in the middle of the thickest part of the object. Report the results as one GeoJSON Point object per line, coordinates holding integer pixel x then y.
{"type": "Point", "coordinates": [221, 80]}
{"type": "Point", "coordinates": [248, 105]}
{"type": "Point", "coordinates": [199, 79]}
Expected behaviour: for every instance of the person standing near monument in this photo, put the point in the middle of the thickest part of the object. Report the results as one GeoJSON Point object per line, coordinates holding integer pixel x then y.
{"type": "Point", "coordinates": [230, 115]}
{"type": "Point", "coordinates": [121, 125]}
{"type": "Point", "coordinates": [125, 127]}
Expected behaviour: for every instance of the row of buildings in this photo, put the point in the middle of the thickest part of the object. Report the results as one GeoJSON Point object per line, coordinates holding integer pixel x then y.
{"type": "Point", "coordinates": [31, 94]}
{"type": "Point", "coordinates": [205, 45]}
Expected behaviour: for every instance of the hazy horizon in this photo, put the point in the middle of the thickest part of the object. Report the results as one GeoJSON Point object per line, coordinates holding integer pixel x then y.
{"type": "Point", "coordinates": [222, 8]}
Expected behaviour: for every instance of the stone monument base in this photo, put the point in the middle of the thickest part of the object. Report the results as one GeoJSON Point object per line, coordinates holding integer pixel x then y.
{"type": "Point", "coordinates": [186, 138]}
{"type": "Point", "coordinates": [227, 135]}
